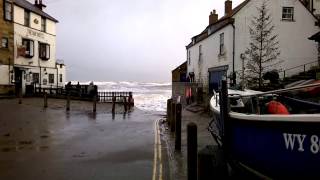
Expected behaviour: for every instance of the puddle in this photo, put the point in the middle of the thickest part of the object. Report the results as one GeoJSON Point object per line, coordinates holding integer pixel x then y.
{"type": "Point", "coordinates": [25, 142]}
{"type": "Point", "coordinates": [8, 149]}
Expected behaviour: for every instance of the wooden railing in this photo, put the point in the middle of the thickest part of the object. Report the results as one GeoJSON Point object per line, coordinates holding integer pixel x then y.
{"type": "Point", "coordinates": [105, 96]}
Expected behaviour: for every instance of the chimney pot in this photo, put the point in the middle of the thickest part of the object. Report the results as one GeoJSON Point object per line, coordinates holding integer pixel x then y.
{"type": "Point", "coordinates": [228, 7]}
{"type": "Point", "coordinates": [213, 17]}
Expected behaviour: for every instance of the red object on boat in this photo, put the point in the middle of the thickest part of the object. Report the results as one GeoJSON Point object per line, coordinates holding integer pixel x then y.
{"type": "Point", "coordinates": [275, 107]}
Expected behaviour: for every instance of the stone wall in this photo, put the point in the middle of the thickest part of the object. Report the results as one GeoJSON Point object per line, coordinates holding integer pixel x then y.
{"type": "Point", "coordinates": [6, 30]}
{"type": "Point", "coordinates": [7, 90]}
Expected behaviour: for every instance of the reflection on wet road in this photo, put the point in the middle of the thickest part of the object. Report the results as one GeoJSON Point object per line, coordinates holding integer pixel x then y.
{"type": "Point", "coordinates": [52, 144]}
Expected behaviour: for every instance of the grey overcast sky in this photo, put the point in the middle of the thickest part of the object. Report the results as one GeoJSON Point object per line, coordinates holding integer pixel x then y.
{"type": "Point", "coordinates": [127, 40]}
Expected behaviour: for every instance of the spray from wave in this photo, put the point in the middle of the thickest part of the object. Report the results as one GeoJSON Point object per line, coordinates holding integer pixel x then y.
{"type": "Point", "coordinates": [147, 96]}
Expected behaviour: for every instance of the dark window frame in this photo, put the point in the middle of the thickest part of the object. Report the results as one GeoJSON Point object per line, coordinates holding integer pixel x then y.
{"type": "Point", "coordinates": [51, 78]}
{"type": "Point", "coordinates": [27, 18]}
{"type": "Point", "coordinates": [287, 13]}
{"type": "Point", "coordinates": [60, 78]}
{"type": "Point", "coordinates": [36, 78]}
{"type": "Point", "coordinates": [28, 47]}
{"type": "Point", "coordinates": [221, 44]}
{"type": "Point", "coordinates": [189, 58]}
{"type": "Point", "coordinates": [43, 24]}
{"type": "Point", "coordinates": [6, 16]}
{"type": "Point", "coordinates": [7, 43]}
{"type": "Point", "coordinates": [44, 54]}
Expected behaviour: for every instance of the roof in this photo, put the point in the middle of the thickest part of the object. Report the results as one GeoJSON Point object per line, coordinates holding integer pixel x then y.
{"type": "Point", "coordinates": [226, 20]}
{"type": "Point", "coordinates": [183, 65]}
{"type": "Point", "coordinates": [315, 37]}
{"type": "Point", "coordinates": [29, 6]}
{"type": "Point", "coordinates": [221, 23]}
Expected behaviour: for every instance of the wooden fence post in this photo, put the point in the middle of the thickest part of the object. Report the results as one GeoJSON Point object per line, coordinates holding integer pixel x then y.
{"type": "Point", "coordinates": [20, 96]}
{"type": "Point", "coordinates": [45, 99]}
{"type": "Point", "coordinates": [125, 104]}
{"type": "Point", "coordinates": [173, 117]}
{"type": "Point", "coordinates": [169, 116]}
{"type": "Point", "coordinates": [178, 127]}
{"type": "Point", "coordinates": [95, 103]}
{"type": "Point", "coordinates": [68, 102]}
{"type": "Point", "coordinates": [113, 103]}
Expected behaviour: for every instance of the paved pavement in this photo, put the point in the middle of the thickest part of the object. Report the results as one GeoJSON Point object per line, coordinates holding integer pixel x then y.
{"type": "Point", "coordinates": [52, 144]}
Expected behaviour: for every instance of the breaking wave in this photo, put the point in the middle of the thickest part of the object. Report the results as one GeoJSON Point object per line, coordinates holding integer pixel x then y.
{"type": "Point", "coordinates": [147, 96]}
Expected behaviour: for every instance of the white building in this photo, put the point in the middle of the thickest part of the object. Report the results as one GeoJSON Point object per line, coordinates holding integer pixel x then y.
{"type": "Point", "coordinates": [218, 50]}
{"type": "Point", "coordinates": [35, 62]}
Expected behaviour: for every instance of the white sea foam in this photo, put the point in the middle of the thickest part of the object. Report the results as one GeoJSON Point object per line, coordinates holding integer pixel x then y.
{"type": "Point", "coordinates": [147, 96]}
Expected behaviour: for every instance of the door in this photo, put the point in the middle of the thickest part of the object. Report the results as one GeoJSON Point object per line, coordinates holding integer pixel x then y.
{"type": "Point", "coordinates": [18, 80]}
{"type": "Point", "coordinates": [215, 78]}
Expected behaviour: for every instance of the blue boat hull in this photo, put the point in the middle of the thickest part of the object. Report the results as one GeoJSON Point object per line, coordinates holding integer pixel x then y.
{"type": "Point", "coordinates": [276, 149]}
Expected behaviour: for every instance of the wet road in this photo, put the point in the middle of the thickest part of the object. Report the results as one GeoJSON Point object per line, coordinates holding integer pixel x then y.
{"type": "Point", "coordinates": [53, 144]}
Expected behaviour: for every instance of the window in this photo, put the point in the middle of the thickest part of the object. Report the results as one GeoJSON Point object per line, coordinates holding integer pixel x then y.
{"type": "Point", "coordinates": [51, 78]}
{"type": "Point", "coordinates": [60, 78]}
{"type": "Point", "coordinates": [43, 24]}
{"type": "Point", "coordinates": [8, 11]}
{"type": "Point", "coordinates": [188, 56]}
{"type": "Point", "coordinates": [287, 13]}
{"type": "Point", "coordinates": [221, 49]}
{"type": "Point", "coordinates": [35, 77]}
{"type": "Point", "coordinates": [44, 81]}
{"type": "Point", "coordinates": [4, 42]}
{"type": "Point", "coordinates": [26, 18]}
{"type": "Point", "coordinates": [200, 53]}
{"type": "Point", "coordinates": [29, 45]}
{"type": "Point", "coordinates": [44, 51]}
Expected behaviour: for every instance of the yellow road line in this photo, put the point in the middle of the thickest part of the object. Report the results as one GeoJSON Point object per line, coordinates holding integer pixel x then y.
{"type": "Point", "coordinates": [157, 153]}
{"type": "Point", "coordinates": [159, 148]}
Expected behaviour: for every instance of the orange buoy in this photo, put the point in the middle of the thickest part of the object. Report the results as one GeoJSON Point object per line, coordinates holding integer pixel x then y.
{"type": "Point", "coordinates": [275, 107]}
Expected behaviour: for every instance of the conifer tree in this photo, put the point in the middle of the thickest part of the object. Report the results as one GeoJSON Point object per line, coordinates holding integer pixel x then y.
{"type": "Point", "coordinates": [261, 55]}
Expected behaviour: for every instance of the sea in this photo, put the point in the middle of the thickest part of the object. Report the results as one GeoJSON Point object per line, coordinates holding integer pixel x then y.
{"type": "Point", "coordinates": [147, 96]}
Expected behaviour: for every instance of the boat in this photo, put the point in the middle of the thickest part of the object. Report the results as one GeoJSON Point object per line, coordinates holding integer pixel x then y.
{"type": "Point", "coordinates": [270, 146]}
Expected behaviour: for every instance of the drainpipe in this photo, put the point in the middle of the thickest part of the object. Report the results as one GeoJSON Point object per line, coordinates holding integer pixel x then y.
{"type": "Point", "coordinates": [9, 82]}
{"type": "Point", "coordinates": [233, 56]}
{"type": "Point", "coordinates": [57, 75]}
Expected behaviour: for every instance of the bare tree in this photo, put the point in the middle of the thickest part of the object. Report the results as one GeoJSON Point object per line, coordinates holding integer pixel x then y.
{"type": "Point", "coordinates": [261, 55]}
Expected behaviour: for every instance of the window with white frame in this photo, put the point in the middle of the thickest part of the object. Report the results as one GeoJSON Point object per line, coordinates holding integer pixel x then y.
{"type": "Point", "coordinates": [60, 78]}
{"type": "Point", "coordinates": [29, 46]}
{"type": "Point", "coordinates": [4, 42]}
{"type": "Point", "coordinates": [27, 18]}
{"type": "Point", "coordinates": [221, 47]}
{"type": "Point", "coordinates": [8, 11]}
{"type": "Point", "coordinates": [44, 51]}
{"type": "Point", "coordinates": [287, 13]}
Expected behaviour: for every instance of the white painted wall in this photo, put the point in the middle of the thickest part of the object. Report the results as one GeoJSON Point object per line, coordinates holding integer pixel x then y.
{"type": "Point", "coordinates": [62, 70]}
{"type": "Point", "coordinates": [19, 18]}
{"type": "Point", "coordinates": [210, 54]}
{"type": "Point", "coordinates": [295, 47]}
{"type": "Point", "coordinates": [35, 64]}
{"type": "Point", "coordinates": [293, 36]}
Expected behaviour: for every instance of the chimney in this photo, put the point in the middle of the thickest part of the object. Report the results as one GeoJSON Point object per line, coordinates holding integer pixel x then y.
{"type": "Point", "coordinates": [39, 4]}
{"type": "Point", "coordinates": [213, 17]}
{"type": "Point", "coordinates": [228, 7]}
